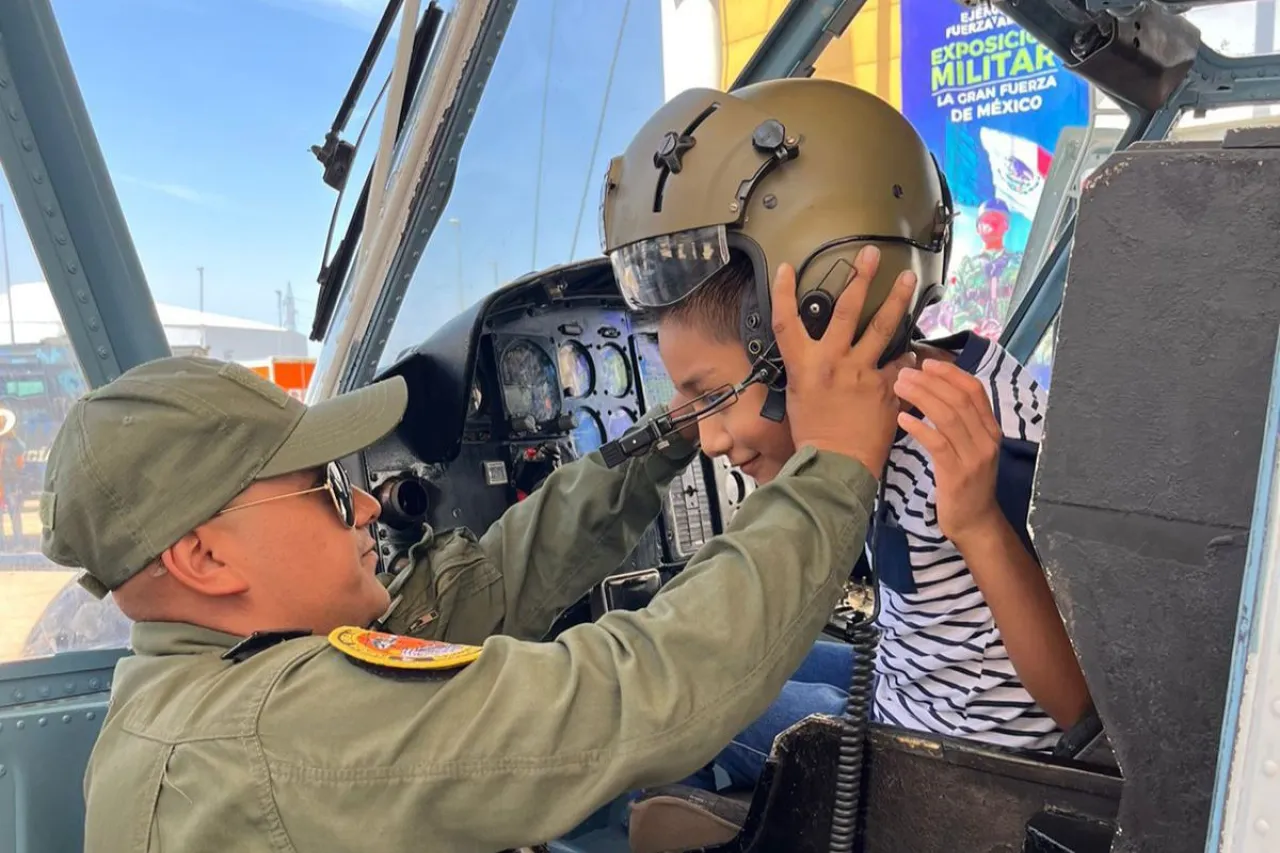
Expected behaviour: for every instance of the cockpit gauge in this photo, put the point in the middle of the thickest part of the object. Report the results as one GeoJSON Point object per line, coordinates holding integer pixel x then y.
{"type": "Point", "coordinates": [588, 434]}
{"type": "Point", "coordinates": [615, 373]}
{"type": "Point", "coordinates": [576, 370]}
{"type": "Point", "coordinates": [530, 385]}
{"type": "Point", "coordinates": [619, 421]}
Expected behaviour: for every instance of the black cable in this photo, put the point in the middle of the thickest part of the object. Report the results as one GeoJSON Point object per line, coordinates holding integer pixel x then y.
{"type": "Point", "coordinates": [856, 721]}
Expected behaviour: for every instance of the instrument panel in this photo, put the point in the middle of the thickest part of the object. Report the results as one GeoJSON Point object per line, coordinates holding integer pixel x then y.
{"type": "Point", "coordinates": [538, 377]}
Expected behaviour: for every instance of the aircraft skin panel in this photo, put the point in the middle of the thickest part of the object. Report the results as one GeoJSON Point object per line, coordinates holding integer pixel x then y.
{"type": "Point", "coordinates": [50, 712]}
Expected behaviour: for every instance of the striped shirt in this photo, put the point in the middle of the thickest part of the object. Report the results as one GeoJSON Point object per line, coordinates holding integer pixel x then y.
{"type": "Point", "coordinates": [942, 666]}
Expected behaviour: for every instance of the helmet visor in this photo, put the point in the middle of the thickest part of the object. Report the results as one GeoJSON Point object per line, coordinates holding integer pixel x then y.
{"type": "Point", "coordinates": [662, 270]}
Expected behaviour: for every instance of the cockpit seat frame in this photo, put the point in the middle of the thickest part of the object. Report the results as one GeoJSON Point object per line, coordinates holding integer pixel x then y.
{"type": "Point", "coordinates": [921, 792]}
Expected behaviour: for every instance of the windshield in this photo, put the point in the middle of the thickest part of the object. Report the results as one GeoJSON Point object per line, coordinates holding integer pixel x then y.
{"type": "Point", "coordinates": [574, 79]}
{"type": "Point", "coordinates": [1237, 29]}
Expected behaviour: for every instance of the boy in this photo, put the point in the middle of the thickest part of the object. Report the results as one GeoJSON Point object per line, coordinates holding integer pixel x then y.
{"type": "Point", "coordinates": [821, 183]}
{"type": "Point", "coordinates": [971, 642]}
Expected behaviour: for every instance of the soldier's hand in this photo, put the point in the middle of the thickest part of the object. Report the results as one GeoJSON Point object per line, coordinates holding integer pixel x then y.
{"type": "Point", "coordinates": [837, 398]}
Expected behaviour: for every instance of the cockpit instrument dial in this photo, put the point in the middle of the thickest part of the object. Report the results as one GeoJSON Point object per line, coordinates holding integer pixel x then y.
{"type": "Point", "coordinates": [576, 371]}
{"type": "Point", "coordinates": [619, 421]}
{"type": "Point", "coordinates": [530, 386]}
{"type": "Point", "coordinates": [615, 373]}
{"type": "Point", "coordinates": [588, 435]}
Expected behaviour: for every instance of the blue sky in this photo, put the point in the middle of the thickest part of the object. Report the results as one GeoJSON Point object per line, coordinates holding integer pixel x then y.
{"type": "Point", "coordinates": [205, 112]}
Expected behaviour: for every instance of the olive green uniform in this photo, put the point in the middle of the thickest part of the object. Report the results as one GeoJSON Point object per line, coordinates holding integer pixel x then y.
{"type": "Point", "coordinates": [298, 748]}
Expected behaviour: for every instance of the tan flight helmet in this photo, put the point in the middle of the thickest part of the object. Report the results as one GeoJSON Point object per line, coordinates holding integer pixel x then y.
{"type": "Point", "coordinates": [801, 171]}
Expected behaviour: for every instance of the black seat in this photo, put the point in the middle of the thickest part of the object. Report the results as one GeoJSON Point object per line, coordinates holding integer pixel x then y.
{"type": "Point", "coordinates": [674, 818]}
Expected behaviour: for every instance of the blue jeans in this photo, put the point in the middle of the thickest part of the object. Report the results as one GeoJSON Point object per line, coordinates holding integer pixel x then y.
{"type": "Point", "coordinates": [819, 686]}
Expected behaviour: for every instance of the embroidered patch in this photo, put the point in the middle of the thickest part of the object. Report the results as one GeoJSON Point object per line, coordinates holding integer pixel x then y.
{"type": "Point", "coordinates": [398, 652]}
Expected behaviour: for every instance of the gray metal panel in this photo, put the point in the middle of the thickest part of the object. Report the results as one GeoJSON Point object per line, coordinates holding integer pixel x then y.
{"type": "Point", "coordinates": [60, 183]}
{"type": "Point", "coordinates": [51, 710]}
{"type": "Point", "coordinates": [1143, 496]}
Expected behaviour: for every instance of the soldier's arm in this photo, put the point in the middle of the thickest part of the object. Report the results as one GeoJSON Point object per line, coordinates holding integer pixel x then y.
{"type": "Point", "coordinates": [574, 530]}
{"type": "Point", "coordinates": [531, 738]}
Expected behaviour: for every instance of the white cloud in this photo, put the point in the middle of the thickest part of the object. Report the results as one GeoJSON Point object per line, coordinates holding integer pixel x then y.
{"type": "Point", "coordinates": [358, 13]}
{"type": "Point", "coordinates": [178, 191]}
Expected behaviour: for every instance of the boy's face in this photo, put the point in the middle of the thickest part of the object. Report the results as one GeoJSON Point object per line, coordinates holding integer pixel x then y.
{"type": "Point", "coordinates": [698, 364]}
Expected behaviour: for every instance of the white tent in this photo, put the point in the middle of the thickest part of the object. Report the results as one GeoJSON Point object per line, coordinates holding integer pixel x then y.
{"type": "Point", "coordinates": [36, 318]}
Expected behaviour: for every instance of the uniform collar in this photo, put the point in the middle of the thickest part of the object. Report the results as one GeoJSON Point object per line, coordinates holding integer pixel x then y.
{"type": "Point", "coordinates": [178, 638]}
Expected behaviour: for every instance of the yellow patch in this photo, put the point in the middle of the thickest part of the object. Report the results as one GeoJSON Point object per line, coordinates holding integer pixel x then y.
{"type": "Point", "coordinates": [395, 651]}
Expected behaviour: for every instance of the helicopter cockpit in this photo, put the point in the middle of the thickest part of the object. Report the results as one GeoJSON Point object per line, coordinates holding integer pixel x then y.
{"type": "Point", "coordinates": [1155, 541]}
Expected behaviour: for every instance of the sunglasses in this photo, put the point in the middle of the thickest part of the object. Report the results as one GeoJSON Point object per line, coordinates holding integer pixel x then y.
{"type": "Point", "coordinates": [336, 483]}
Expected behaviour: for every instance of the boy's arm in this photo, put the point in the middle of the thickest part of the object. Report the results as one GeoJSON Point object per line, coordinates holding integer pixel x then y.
{"type": "Point", "coordinates": [965, 442]}
{"type": "Point", "coordinates": [1014, 586]}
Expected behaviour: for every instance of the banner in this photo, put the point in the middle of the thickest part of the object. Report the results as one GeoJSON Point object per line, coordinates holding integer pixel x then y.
{"type": "Point", "coordinates": [990, 102]}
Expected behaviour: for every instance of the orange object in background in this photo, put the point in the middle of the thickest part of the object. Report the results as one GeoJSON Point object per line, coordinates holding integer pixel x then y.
{"type": "Point", "coordinates": [291, 374]}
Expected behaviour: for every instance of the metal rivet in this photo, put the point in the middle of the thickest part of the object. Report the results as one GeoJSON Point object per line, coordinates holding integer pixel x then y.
{"type": "Point", "coordinates": [1262, 826]}
{"type": "Point", "coordinates": [1270, 768]}
{"type": "Point", "coordinates": [753, 320]}
{"type": "Point", "coordinates": [44, 691]}
{"type": "Point", "coordinates": [815, 308]}
{"type": "Point", "coordinates": [19, 695]}
{"type": "Point", "coordinates": [83, 296]}
{"type": "Point", "coordinates": [102, 353]}
{"type": "Point", "coordinates": [2, 770]}
{"type": "Point", "coordinates": [38, 178]}
{"type": "Point", "coordinates": [754, 347]}
{"type": "Point", "coordinates": [21, 724]}
{"type": "Point", "coordinates": [93, 323]}
{"type": "Point", "coordinates": [91, 715]}
{"type": "Point", "coordinates": [770, 201]}
{"type": "Point", "coordinates": [70, 686]}
{"type": "Point", "coordinates": [13, 113]}
{"type": "Point", "coordinates": [73, 269]}
{"type": "Point", "coordinates": [27, 144]}
{"type": "Point", "coordinates": [43, 721]}
{"type": "Point", "coordinates": [60, 238]}
{"type": "Point", "coordinates": [733, 205]}
{"type": "Point", "coordinates": [457, 513]}
{"type": "Point", "coordinates": [4, 82]}
{"type": "Point", "coordinates": [66, 718]}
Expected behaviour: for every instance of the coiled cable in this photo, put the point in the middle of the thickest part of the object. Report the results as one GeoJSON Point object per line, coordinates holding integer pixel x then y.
{"type": "Point", "coordinates": [863, 635]}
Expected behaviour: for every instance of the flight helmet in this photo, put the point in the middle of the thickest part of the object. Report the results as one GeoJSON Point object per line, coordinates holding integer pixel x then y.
{"type": "Point", "coordinates": [801, 171]}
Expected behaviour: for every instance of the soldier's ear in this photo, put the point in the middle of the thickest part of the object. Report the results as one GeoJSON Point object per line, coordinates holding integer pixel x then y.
{"type": "Point", "coordinates": [192, 563]}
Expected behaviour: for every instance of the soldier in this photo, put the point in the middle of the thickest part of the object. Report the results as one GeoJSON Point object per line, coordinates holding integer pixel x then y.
{"type": "Point", "coordinates": [258, 713]}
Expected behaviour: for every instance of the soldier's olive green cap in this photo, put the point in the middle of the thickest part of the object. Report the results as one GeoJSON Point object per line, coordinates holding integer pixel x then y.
{"type": "Point", "coordinates": [147, 458]}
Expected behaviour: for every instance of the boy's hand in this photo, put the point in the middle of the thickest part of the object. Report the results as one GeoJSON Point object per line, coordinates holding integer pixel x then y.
{"type": "Point", "coordinates": [963, 441]}
{"type": "Point", "coordinates": [837, 398]}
